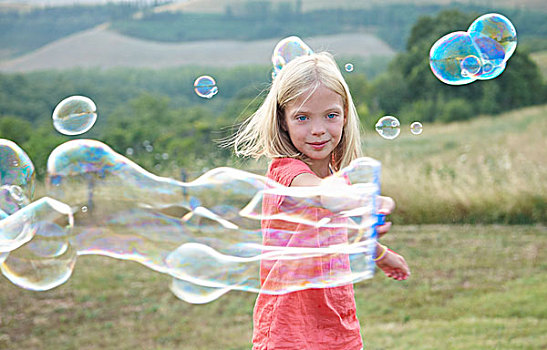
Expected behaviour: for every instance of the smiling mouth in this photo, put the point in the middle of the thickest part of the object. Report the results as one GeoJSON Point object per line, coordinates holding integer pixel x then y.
{"type": "Point", "coordinates": [318, 144]}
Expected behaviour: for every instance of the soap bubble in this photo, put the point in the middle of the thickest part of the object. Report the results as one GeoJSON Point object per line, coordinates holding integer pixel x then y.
{"type": "Point", "coordinates": [480, 53]}
{"type": "Point", "coordinates": [74, 115]}
{"type": "Point", "coordinates": [416, 128]}
{"type": "Point", "coordinates": [286, 50]}
{"type": "Point", "coordinates": [497, 28]}
{"type": "Point", "coordinates": [388, 127]}
{"type": "Point", "coordinates": [446, 57]}
{"type": "Point", "coordinates": [206, 234]}
{"type": "Point", "coordinates": [348, 67]}
{"type": "Point", "coordinates": [205, 86]}
{"type": "Point", "coordinates": [17, 175]}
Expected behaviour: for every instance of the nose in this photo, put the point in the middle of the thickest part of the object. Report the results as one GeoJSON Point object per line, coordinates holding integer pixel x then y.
{"type": "Point", "coordinates": [318, 128]}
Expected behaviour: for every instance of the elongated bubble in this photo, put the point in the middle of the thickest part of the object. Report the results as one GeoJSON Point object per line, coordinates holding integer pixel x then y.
{"type": "Point", "coordinates": [208, 234]}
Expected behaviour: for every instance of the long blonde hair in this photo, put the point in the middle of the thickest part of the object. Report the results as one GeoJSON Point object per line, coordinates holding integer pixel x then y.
{"type": "Point", "coordinates": [262, 133]}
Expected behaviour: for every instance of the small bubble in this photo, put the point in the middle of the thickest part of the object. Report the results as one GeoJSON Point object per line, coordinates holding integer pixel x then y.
{"type": "Point", "coordinates": [129, 151]}
{"type": "Point", "coordinates": [84, 209]}
{"type": "Point", "coordinates": [416, 128]}
{"type": "Point", "coordinates": [348, 67]}
{"type": "Point", "coordinates": [388, 127]}
{"type": "Point", "coordinates": [149, 148]}
{"type": "Point", "coordinates": [165, 156]}
{"type": "Point", "coordinates": [74, 115]}
{"type": "Point", "coordinates": [205, 86]}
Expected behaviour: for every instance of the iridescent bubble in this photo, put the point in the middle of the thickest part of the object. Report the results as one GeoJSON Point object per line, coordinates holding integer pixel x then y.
{"type": "Point", "coordinates": [416, 128]}
{"type": "Point", "coordinates": [470, 65]}
{"type": "Point", "coordinates": [74, 115]}
{"type": "Point", "coordinates": [206, 234]}
{"type": "Point", "coordinates": [497, 28]}
{"type": "Point", "coordinates": [286, 50]}
{"type": "Point", "coordinates": [205, 86]}
{"type": "Point", "coordinates": [446, 57]}
{"type": "Point", "coordinates": [388, 127]}
{"type": "Point", "coordinates": [480, 53]}
{"type": "Point", "coordinates": [348, 67]}
{"type": "Point", "coordinates": [16, 169]}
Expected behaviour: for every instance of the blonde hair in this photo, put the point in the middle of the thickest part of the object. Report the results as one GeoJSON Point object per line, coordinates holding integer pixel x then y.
{"type": "Point", "coordinates": [262, 133]}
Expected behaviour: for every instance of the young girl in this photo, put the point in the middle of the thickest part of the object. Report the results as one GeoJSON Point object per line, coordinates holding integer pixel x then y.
{"type": "Point", "coordinates": [308, 126]}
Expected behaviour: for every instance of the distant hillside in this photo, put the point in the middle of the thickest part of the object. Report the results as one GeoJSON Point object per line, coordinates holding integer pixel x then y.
{"type": "Point", "coordinates": [219, 6]}
{"type": "Point", "coordinates": [100, 47]}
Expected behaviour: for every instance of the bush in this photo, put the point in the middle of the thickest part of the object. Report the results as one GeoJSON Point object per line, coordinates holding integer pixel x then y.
{"type": "Point", "coordinates": [454, 110]}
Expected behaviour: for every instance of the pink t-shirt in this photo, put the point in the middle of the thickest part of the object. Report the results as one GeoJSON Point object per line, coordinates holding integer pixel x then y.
{"type": "Point", "coordinates": [309, 319]}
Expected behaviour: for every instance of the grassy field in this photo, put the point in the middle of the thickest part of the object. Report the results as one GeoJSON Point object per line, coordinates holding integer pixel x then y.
{"type": "Point", "coordinates": [472, 287]}
{"type": "Point", "coordinates": [486, 170]}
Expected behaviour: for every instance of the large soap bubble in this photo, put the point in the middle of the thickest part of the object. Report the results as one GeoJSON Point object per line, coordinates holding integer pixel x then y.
{"type": "Point", "coordinates": [74, 115]}
{"type": "Point", "coordinates": [206, 234]}
{"type": "Point", "coordinates": [286, 50]}
{"type": "Point", "coordinates": [479, 53]}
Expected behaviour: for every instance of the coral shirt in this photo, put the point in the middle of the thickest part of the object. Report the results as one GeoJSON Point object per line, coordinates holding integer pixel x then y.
{"type": "Point", "coordinates": [308, 319]}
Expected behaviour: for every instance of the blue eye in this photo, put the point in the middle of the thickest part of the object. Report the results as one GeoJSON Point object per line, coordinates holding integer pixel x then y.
{"type": "Point", "coordinates": [332, 115]}
{"type": "Point", "coordinates": [301, 118]}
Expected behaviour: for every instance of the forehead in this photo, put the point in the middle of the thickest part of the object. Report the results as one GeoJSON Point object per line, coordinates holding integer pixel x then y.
{"type": "Point", "coordinates": [319, 99]}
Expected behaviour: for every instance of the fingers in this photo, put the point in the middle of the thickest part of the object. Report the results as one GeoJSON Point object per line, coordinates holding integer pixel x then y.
{"type": "Point", "coordinates": [382, 230]}
{"type": "Point", "coordinates": [386, 205]}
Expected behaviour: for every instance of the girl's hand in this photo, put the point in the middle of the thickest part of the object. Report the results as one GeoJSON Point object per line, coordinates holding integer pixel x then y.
{"type": "Point", "coordinates": [386, 206]}
{"type": "Point", "coordinates": [394, 266]}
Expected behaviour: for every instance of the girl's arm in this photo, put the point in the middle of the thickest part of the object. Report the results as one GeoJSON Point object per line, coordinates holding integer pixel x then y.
{"type": "Point", "coordinates": [393, 264]}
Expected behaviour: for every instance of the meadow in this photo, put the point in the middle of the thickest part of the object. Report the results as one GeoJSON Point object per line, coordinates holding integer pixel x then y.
{"type": "Point", "coordinates": [474, 285]}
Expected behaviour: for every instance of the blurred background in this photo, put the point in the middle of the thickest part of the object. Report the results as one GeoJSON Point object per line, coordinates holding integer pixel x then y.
{"type": "Point", "coordinates": [470, 190]}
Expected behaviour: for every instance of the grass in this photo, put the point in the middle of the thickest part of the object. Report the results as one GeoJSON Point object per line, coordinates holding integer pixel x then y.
{"type": "Point", "coordinates": [486, 170]}
{"type": "Point", "coordinates": [472, 287]}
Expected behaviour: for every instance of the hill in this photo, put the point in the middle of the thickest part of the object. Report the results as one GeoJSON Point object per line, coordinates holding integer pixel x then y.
{"type": "Point", "coordinates": [100, 47]}
{"type": "Point", "coordinates": [220, 6]}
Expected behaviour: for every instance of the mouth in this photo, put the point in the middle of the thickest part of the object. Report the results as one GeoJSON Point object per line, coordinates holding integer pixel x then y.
{"type": "Point", "coordinates": [318, 144]}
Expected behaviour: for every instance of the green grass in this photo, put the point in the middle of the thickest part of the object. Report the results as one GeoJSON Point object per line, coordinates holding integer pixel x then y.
{"type": "Point", "coordinates": [472, 287]}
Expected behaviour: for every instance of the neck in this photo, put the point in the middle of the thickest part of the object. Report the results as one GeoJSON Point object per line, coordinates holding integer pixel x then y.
{"type": "Point", "coordinates": [320, 167]}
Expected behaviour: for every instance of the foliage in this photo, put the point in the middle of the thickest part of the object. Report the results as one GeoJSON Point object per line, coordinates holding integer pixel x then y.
{"type": "Point", "coordinates": [27, 31]}
{"type": "Point", "coordinates": [250, 20]}
{"type": "Point", "coordinates": [409, 79]}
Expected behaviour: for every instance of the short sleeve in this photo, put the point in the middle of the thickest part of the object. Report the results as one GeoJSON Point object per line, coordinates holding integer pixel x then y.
{"type": "Point", "coordinates": [284, 170]}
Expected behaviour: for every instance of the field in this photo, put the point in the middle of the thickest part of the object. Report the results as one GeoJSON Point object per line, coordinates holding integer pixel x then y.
{"type": "Point", "coordinates": [100, 47]}
{"type": "Point", "coordinates": [485, 170]}
{"type": "Point", "coordinates": [219, 6]}
{"type": "Point", "coordinates": [473, 286]}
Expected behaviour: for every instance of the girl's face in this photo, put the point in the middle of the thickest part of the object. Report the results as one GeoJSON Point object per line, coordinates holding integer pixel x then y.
{"type": "Point", "coordinates": [315, 125]}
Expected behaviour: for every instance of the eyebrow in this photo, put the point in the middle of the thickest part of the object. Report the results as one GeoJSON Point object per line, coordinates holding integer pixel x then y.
{"type": "Point", "coordinates": [330, 109]}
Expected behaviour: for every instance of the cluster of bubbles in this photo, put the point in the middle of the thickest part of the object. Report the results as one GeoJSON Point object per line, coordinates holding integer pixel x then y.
{"type": "Point", "coordinates": [205, 86]}
{"type": "Point", "coordinates": [286, 50]}
{"type": "Point", "coordinates": [479, 53]}
{"type": "Point", "coordinates": [389, 127]}
{"type": "Point", "coordinates": [205, 234]}
{"type": "Point", "coordinates": [74, 115]}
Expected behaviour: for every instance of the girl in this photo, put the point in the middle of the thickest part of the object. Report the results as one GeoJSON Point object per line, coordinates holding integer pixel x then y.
{"type": "Point", "coordinates": [308, 126]}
